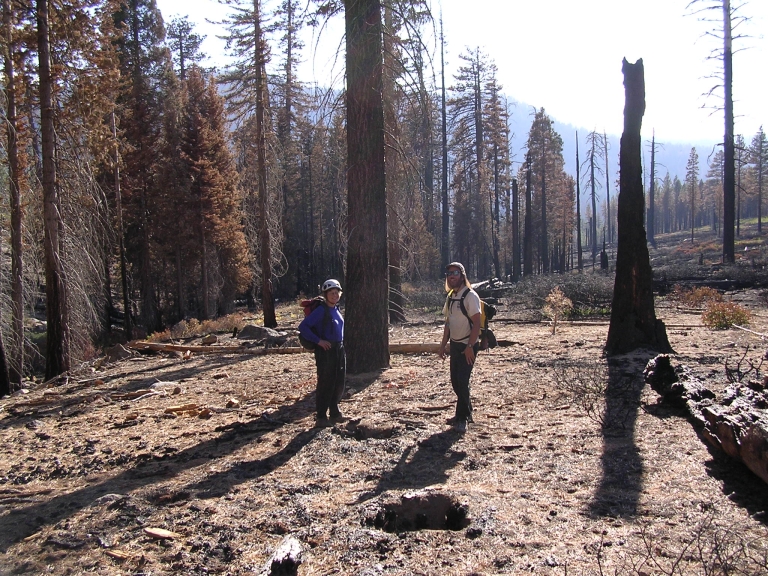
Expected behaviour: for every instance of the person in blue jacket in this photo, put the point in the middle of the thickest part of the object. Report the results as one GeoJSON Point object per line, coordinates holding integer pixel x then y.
{"type": "Point", "coordinates": [325, 327]}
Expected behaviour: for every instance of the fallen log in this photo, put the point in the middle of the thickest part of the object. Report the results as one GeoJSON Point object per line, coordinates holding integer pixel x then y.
{"type": "Point", "coordinates": [407, 348]}
{"type": "Point", "coordinates": [737, 423]}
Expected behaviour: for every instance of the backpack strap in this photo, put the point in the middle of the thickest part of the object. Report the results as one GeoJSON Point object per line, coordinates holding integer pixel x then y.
{"type": "Point", "coordinates": [461, 305]}
{"type": "Point", "coordinates": [326, 316]}
{"type": "Point", "coordinates": [464, 308]}
{"type": "Point", "coordinates": [326, 320]}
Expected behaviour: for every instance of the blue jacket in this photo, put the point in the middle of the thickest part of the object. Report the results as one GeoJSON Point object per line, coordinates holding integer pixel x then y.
{"type": "Point", "coordinates": [315, 327]}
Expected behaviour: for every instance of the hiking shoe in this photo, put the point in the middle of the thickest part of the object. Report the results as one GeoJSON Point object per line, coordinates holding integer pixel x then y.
{"type": "Point", "coordinates": [460, 426]}
{"type": "Point", "coordinates": [322, 422]}
{"type": "Point", "coordinates": [338, 419]}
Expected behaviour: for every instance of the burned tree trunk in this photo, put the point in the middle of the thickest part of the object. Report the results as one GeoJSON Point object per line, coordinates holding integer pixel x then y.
{"type": "Point", "coordinates": [367, 291]}
{"type": "Point", "coordinates": [633, 318]}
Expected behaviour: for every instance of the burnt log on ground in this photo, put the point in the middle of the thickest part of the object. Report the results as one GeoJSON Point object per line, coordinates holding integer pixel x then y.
{"type": "Point", "coordinates": [406, 348]}
{"type": "Point", "coordinates": [736, 424]}
{"type": "Point", "coordinates": [664, 286]}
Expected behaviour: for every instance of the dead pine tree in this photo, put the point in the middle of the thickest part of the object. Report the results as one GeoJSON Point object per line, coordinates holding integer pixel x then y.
{"type": "Point", "coordinates": [633, 318]}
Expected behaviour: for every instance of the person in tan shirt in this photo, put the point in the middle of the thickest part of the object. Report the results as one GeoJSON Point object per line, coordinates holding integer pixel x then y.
{"type": "Point", "coordinates": [460, 337]}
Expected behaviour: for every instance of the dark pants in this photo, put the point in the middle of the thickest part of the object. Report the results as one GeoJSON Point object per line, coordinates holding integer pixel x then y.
{"type": "Point", "coordinates": [460, 373]}
{"type": "Point", "coordinates": [331, 375]}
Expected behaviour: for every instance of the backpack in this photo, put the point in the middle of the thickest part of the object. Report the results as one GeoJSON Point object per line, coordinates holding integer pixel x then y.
{"type": "Point", "coordinates": [487, 338]}
{"type": "Point", "coordinates": [309, 306]}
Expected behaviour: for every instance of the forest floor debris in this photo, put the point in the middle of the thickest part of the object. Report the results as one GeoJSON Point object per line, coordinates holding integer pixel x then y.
{"type": "Point", "coordinates": [210, 464]}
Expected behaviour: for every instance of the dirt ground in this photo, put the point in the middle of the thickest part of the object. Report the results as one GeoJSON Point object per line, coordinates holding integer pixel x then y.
{"type": "Point", "coordinates": [91, 469]}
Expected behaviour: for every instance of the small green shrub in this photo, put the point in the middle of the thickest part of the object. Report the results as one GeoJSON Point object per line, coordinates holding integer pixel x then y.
{"type": "Point", "coordinates": [723, 315]}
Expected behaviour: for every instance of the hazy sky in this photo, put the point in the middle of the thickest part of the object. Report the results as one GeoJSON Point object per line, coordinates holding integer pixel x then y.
{"type": "Point", "coordinates": [566, 56]}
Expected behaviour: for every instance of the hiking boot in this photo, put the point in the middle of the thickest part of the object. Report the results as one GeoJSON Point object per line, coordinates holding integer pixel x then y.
{"type": "Point", "coordinates": [338, 419]}
{"type": "Point", "coordinates": [322, 422]}
{"type": "Point", "coordinates": [460, 426]}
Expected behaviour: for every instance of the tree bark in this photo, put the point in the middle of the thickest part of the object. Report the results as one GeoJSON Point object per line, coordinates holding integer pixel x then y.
{"type": "Point", "coordinates": [127, 317]}
{"type": "Point", "coordinates": [652, 195]}
{"type": "Point", "coordinates": [445, 246]}
{"type": "Point", "coordinates": [580, 256]}
{"type": "Point", "coordinates": [609, 222]}
{"type": "Point", "coordinates": [633, 318]}
{"type": "Point", "coordinates": [594, 203]}
{"type": "Point", "coordinates": [265, 240]}
{"type": "Point", "coordinates": [14, 184]}
{"type": "Point", "coordinates": [367, 284]}
{"type": "Point", "coordinates": [544, 232]}
{"type": "Point", "coordinates": [392, 135]}
{"type": "Point", "coordinates": [729, 169]}
{"type": "Point", "coordinates": [528, 232]}
{"type": "Point", "coordinates": [516, 265]}
{"type": "Point", "coordinates": [57, 313]}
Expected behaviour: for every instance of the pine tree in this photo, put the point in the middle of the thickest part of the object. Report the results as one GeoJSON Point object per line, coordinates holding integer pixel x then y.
{"type": "Point", "coordinates": [185, 44]}
{"type": "Point", "coordinates": [758, 155]}
{"type": "Point", "coordinates": [469, 169]}
{"type": "Point", "coordinates": [651, 225]}
{"type": "Point", "coordinates": [667, 217]}
{"type": "Point", "coordinates": [691, 183]}
{"type": "Point", "coordinates": [545, 147]}
{"type": "Point", "coordinates": [495, 118]}
{"type": "Point", "coordinates": [713, 190]}
{"type": "Point", "coordinates": [145, 65]}
{"type": "Point", "coordinates": [15, 135]}
{"type": "Point", "coordinates": [247, 95]}
{"type": "Point", "coordinates": [528, 229]}
{"type": "Point", "coordinates": [741, 161]}
{"type": "Point", "coordinates": [595, 151]}
{"type": "Point", "coordinates": [58, 358]}
{"type": "Point", "coordinates": [580, 258]}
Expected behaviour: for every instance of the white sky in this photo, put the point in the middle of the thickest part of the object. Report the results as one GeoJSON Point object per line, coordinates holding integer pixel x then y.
{"type": "Point", "coordinates": [566, 56]}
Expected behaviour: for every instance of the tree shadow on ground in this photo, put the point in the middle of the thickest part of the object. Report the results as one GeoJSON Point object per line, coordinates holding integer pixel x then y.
{"type": "Point", "coordinates": [71, 395]}
{"type": "Point", "coordinates": [621, 482]}
{"type": "Point", "coordinates": [22, 522]}
{"type": "Point", "coordinates": [218, 484]}
{"type": "Point", "coordinates": [422, 465]}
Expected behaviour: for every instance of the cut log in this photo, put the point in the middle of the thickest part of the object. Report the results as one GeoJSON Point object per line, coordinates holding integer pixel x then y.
{"type": "Point", "coordinates": [737, 424]}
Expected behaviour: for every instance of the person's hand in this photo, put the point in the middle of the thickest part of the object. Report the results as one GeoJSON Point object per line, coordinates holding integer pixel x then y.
{"type": "Point", "coordinates": [469, 354]}
{"type": "Point", "coordinates": [324, 344]}
{"type": "Point", "coordinates": [441, 352]}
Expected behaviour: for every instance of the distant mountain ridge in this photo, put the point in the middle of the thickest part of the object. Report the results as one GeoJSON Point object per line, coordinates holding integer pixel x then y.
{"type": "Point", "coordinates": [671, 157]}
